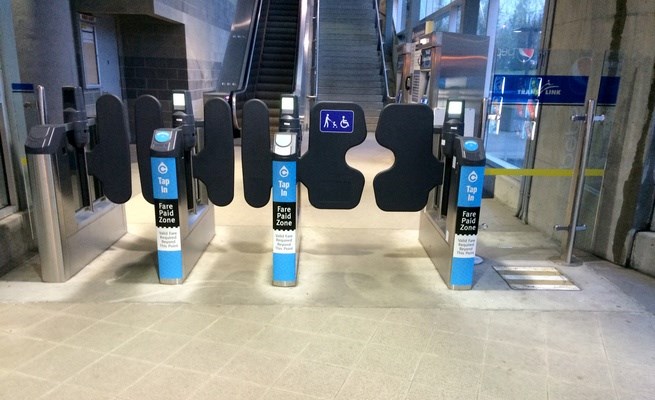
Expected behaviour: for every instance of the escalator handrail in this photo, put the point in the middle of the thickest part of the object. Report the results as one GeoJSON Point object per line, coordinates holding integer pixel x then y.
{"type": "Point", "coordinates": [378, 26]}
{"type": "Point", "coordinates": [317, 29]}
{"type": "Point", "coordinates": [245, 73]}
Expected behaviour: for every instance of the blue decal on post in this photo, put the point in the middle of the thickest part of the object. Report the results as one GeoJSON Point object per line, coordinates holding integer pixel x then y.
{"type": "Point", "coordinates": [164, 178]}
{"type": "Point", "coordinates": [470, 186]}
{"type": "Point", "coordinates": [284, 267]}
{"type": "Point", "coordinates": [461, 273]}
{"type": "Point", "coordinates": [284, 223]}
{"type": "Point", "coordinates": [170, 264]}
{"type": "Point", "coordinates": [165, 194]}
{"type": "Point", "coordinates": [284, 181]}
{"type": "Point", "coordinates": [337, 121]}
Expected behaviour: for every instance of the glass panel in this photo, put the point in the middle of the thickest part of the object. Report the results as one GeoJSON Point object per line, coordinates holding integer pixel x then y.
{"type": "Point", "coordinates": [89, 55]}
{"type": "Point", "coordinates": [430, 6]}
{"type": "Point", "coordinates": [606, 106]}
{"type": "Point", "coordinates": [512, 123]}
{"type": "Point", "coordinates": [4, 189]}
{"type": "Point", "coordinates": [441, 24]}
{"type": "Point", "coordinates": [483, 17]}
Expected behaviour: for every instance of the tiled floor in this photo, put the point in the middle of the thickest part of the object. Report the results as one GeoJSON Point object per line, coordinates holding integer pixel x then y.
{"type": "Point", "coordinates": [369, 319]}
{"type": "Point", "coordinates": [181, 351]}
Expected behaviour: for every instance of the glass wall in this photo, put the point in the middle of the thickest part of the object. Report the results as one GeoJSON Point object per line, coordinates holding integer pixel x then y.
{"type": "Point", "coordinates": [4, 189]}
{"type": "Point", "coordinates": [517, 52]}
{"type": "Point", "coordinates": [430, 6]}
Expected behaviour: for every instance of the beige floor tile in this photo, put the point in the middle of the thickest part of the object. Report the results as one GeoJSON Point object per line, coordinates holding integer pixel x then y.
{"type": "Point", "coordinates": [457, 346]}
{"type": "Point", "coordinates": [576, 391]}
{"type": "Point", "coordinates": [525, 328]}
{"type": "Point", "coordinates": [376, 314]}
{"type": "Point", "coordinates": [16, 350]}
{"type": "Point", "coordinates": [435, 391]}
{"type": "Point", "coordinates": [423, 318]}
{"type": "Point", "coordinates": [318, 380]}
{"type": "Point", "coordinates": [585, 371]}
{"type": "Point", "coordinates": [18, 317]}
{"type": "Point", "coordinates": [389, 361]}
{"type": "Point", "coordinates": [103, 336]}
{"type": "Point", "coordinates": [333, 350]}
{"type": "Point", "coordinates": [165, 383]}
{"type": "Point", "coordinates": [111, 374]}
{"type": "Point", "coordinates": [280, 340]}
{"type": "Point", "coordinates": [58, 328]}
{"type": "Point", "coordinates": [202, 355]}
{"type": "Point", "coordinates": [219, 388]}
{"type": "Point", "coordinates": [70, 392]}
{"type": "Point", "coordinates": [258, 367]}
{"type": "Point", "coordinates": [512, 384]}
{"type": "Point", "coordinates": [184, 322]}
{"type": "Point", "coordinates": [278, 394]}
{"type": "Point", "coordinates": [354, 328]}
{"type": "Point", "coordinates": [59, 363]}
{"type": "Point", "coordinates": [232, 331]}
{"type": "Point", "coordinates": [634, 378]}
{"type": "Point", "coordinates": [303, 318]}
{"type": "Point", "coordinates": [507, 355]}
{"type": "Point", "coordinates": [94, 310]}
{"type": "Point", "coordinates": [452, 375]}
{"type": "Point", "coordinates": [151, 346]}
{"type": "Point", "coordinates": [141, 315]}
{"type": "Point", "coordinates": [362, 385]}
{"type": "Point", "coordinates": [262, 314]}
{"type": "Point", "coordinates": [402, 336]}
{"type": "Point", "coordinates": [17, 386]}
{"type": "Point", "coordinates": [464, 322]}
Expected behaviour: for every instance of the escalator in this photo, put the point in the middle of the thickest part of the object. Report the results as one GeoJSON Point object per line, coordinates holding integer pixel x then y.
{"type": "Point", "coordinates": [260, 59]}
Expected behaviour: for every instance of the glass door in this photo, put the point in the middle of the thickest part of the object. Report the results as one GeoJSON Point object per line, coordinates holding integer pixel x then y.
{"type": "Point", "coordinates": [533, 133]}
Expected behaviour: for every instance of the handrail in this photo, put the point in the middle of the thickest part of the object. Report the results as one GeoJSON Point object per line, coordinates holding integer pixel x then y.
{"type": "Point", "coordinates": [244, 86]}
{"type": "Point", "coordinates": [317, 30]}
{"type": "Point", "coordinates": [388, 97]}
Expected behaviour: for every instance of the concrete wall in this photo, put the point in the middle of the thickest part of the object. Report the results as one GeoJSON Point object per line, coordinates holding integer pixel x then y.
{"type": "Point", "coordinates": [46, 48]}
{"type": "Point", "coordinates": [625, 198]}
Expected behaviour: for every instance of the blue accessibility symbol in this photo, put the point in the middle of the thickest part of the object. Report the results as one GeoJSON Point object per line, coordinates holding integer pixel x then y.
{"type": "Point", "coordinates": [337, 121]}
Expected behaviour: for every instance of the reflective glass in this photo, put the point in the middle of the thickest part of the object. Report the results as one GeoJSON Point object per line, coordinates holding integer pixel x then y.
{"type": "Point", "coordinates": [430, 6]}
{"type": "Point", "coordinates": [4, 190]}
{"type": "Point", "coordinates": [517, 52]}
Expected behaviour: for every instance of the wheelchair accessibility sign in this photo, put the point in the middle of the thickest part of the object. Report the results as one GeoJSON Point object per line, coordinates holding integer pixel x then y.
{"type": "Point", "coordinates": [337, 121]}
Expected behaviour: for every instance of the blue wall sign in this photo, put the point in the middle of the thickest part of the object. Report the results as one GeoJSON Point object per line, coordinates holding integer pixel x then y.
{"type": "Point", "coordinates": [545, 89]}
{"type": "Point", "coordinates": [22, 87]}
{"type": "Point", "coordinates": [337, 121]}
{"type": "Point", "coordinates": [608, 91]}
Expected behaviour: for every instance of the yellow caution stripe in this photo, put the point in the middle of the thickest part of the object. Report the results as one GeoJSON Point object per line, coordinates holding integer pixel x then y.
{"type": "Point", "coordinates": [540, 172]}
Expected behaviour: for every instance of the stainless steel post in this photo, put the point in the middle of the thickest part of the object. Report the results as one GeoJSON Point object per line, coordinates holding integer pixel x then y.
{"type": "Point", "coordinates": [41, 105]}
{"type": "Point", "coordinates": [577, 185]}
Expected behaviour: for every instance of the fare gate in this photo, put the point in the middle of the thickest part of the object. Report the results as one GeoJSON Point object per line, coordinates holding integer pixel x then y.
{"type": "Point", "coordinates": [331, 183]}
{"type": "Point", "coordinates": [183, 174]}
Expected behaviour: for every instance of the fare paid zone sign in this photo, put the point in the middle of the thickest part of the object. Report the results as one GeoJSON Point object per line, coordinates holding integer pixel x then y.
{"type": "Point", "coordinates": [284, 221]}
{"type": "Point", "coordinates": [469, 199]}
{"type": "Point", "coordinates": [167, 217]}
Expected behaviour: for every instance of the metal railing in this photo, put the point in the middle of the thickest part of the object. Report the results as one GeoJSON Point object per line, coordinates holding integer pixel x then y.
{"type": "Point", "coordinates": [378, 25]}
{"type": "Point", "coordinates": [317, 29]}
{"type": "Point", "coordinates": [245, 78]}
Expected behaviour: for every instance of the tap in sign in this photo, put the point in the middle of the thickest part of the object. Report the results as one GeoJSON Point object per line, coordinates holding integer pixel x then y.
{"type": "Point", "coordinates": [337, 121]}
{"type": "Point", "coordinates": [164, 181]}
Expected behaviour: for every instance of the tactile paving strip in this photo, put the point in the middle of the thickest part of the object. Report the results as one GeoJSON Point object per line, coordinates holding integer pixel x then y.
{"type": "Point", "coordinates": [535, 278]}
